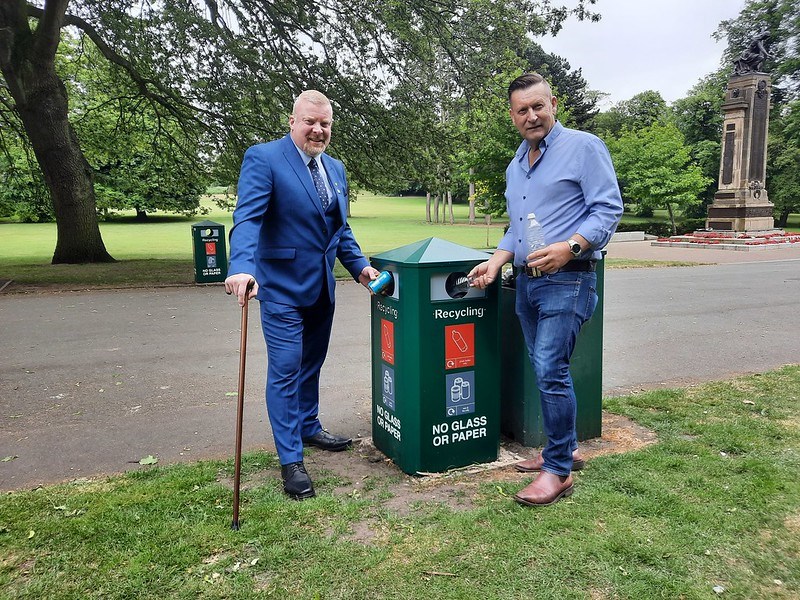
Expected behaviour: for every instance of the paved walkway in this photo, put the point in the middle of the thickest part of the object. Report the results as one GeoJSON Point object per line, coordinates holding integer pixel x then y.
{"type": "Point", "coordinates": [702, 254]}
{"type": "Point", "coordinates": [90, 382]}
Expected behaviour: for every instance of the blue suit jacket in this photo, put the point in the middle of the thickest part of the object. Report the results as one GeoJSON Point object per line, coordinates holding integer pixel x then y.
{"type": "Point", "coordinates": [279, 232]}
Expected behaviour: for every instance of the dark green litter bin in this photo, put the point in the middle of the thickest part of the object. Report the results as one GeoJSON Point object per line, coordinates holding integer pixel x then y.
{"type": "Point", "coordinates": [210, 253]}
{"type": "Point", "coordinates": [521, 413]}
{"type": "Point", "coordinates": [435, 368]}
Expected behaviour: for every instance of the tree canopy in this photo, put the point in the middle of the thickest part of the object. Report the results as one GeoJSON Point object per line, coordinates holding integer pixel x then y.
{"type": "Point", "coordinates": [225, 73]}
{"type": "Point", "coordinates": [655, 169]}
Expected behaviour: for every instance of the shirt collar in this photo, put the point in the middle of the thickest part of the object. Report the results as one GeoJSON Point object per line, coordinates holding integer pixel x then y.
{"type": "Point", "coordinates": [306, 158]}
{"type": "Point", "coordinates": [522, 151]}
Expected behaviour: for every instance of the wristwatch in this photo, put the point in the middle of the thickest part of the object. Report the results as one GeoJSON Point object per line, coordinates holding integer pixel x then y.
{"type": "Point", "coordinates": [574, 247]}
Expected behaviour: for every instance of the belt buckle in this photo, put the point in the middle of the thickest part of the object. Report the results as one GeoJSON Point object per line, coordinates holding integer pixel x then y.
{"type": "Point", "coordinates": [533, 271]}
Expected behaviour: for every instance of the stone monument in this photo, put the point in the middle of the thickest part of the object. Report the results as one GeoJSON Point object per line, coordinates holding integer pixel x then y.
{"type": "Point", "coordinates": [741, 203]}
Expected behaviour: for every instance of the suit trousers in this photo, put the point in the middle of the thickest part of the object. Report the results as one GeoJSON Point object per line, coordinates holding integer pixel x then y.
{"type": "Point", "coordinates": [297, 342]}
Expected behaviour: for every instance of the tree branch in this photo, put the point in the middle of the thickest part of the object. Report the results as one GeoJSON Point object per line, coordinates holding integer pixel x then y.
{"type": "Point", "coordinates": [47, 36]}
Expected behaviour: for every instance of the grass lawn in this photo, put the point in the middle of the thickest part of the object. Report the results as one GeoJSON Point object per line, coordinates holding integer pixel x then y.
{"type": "Point", "coordinates": [713, 504]}
{"type": "Point", "coordinates": [159, 252]}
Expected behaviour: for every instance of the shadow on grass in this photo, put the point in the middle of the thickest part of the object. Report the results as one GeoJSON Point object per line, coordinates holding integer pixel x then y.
{"type": "Point", "coordinates": [137, 273]}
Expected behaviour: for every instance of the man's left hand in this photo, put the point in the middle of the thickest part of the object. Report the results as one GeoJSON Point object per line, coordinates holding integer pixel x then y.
{"type": "Point", "coordinates": [551, 258]}
{"type": "Point", "coordinates": [368, 274]}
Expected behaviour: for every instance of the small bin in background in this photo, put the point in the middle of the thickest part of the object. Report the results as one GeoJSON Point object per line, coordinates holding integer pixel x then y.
{"type": "Point", "coordinates": [210, 252]}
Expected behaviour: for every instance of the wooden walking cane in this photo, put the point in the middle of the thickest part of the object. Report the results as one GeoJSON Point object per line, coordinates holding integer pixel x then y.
{"type": "Point", "coordinates": [240, 410]}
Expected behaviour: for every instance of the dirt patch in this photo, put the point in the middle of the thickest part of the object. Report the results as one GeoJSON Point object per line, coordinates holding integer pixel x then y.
{"type": "Point", "coordinates": [365, 472]}
{"type": "Point", "coordinates": [792, 523]}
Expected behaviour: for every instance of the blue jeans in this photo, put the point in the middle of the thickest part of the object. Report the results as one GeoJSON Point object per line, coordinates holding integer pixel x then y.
{"type": "Point", "coordinates": [551, 311]}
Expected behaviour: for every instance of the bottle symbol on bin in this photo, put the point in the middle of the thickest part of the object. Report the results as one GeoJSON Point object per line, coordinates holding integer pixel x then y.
{"type": "Point", "coordinates": [459, 340]}
{"type": "Point", "coordinates": [387, 336]}
{"type": "Point", "coordinates": [388, 384]}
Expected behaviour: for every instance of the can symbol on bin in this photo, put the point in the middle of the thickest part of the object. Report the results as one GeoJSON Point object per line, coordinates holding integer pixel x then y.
{"type": "Point", "coordinates": [459, 390]}
{"type": "Point", "coordinates": [455, 391]}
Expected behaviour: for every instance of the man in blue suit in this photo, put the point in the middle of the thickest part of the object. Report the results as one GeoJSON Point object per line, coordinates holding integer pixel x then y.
{"type": "Point", "coordinates": [289, 227]}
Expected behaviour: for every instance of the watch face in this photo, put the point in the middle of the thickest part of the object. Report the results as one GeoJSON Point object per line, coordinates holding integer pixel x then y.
{"type": "Point", "coordinates": [576, 248]}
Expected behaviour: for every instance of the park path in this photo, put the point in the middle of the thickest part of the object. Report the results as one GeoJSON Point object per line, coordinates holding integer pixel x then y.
{"type": "Point", "coordinates": [90, 382]}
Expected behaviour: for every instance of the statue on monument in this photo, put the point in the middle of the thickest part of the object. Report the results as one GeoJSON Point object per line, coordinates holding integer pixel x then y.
{"type": "Point", "coordinates": [753, 56]}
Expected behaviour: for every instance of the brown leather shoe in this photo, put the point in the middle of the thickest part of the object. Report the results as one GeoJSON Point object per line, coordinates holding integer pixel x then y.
{"type": "Point", "coordinates": [534, 465]}
{"type": "Point", "coordinates": [545, 490]}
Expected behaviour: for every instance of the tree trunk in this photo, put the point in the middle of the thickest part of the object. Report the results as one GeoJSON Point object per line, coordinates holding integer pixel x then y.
{"type": "Point", "coordinates": [672, 219]}
{"type": "Point", "coordinates": [450, 206]}
{"type": "Point", "coordinates": [783, 218]}
{"type": "Point", "coordinates": [27, 64]}
{"type": "Point", "coordinates": [436, 208]}
{"type": "Point", "coordinates": [141, 215]}
{"type": "Point", "coordinates": [428, 207]}
{"type": "Point", "coordinates": [471, 197]}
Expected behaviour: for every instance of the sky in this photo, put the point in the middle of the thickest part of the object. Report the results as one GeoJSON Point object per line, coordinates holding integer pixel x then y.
{"type": "Point", "coordinates": [638, 45]}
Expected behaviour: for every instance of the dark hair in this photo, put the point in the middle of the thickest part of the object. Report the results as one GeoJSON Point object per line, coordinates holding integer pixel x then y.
{"type": "Point", "coordinates": [525, 81]}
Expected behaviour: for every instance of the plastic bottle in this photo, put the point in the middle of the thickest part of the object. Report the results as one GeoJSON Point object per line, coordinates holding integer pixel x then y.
{"type": "Point", "coordinates": [534, 236]}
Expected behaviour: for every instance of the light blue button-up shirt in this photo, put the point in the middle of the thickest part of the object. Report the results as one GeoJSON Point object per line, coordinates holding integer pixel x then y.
{"type": "Point", "coordinates": [571, 188]}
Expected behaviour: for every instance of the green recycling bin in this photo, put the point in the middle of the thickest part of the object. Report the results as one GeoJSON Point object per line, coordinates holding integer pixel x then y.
{"type": "Point", "coordinates": [521, 407]}
{"type": "Point", "coordinates": [435, 369]}
{"type": "Point", "coordinates": [210, 253]}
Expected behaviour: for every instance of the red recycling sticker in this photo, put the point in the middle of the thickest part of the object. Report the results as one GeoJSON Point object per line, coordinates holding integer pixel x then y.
{"type": "Point", "coordinates": [459, 346]}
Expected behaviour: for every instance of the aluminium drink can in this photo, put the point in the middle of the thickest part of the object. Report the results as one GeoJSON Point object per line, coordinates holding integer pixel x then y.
{"type": "Point", "coordinates": [380, 283]}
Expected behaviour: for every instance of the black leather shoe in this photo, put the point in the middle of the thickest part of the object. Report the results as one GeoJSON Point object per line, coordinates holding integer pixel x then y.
{"type": "Point", "coordinates": [296, 482]}
{"type": "Point", "coordinates": [327, 441]}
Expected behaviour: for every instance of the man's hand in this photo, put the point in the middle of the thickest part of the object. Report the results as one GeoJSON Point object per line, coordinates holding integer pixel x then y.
{"type": "Point", "coordinates": [551, 258]}
{"type": "Point", "coordinates": [237, 285]}
{"type": "Point", "coordinates": [484, 274]}
{"type": "Point", "coordinates": [368, 274]}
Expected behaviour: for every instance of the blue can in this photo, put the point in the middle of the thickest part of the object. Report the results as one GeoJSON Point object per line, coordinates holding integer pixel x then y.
{"type": "Point", "coordinates": [382, 283]}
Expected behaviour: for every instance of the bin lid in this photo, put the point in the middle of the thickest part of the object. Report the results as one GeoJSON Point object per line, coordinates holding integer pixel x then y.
{"type": "Point", "coordinates": [207, 224]}
{"type": "Point", "coordinates": [432, 251]}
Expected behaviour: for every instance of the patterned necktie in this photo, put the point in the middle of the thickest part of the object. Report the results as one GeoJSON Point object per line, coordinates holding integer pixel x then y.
{"type": "Point", "coordinates": [318, 183]}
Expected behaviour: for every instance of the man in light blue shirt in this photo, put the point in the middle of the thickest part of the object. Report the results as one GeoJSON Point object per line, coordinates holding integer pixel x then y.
{"type": "Point", "coordinates": [565, 177]}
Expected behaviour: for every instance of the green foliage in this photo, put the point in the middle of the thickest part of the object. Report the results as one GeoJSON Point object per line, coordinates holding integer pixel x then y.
{"type": "Point", "coordinates": [642, 110]}
{"type": "Point", "coordinates": [209, 79]}
{"type": "Point", "coordinates": [654, 167]}
{"type": "Point", "coordinates": [783, 168]}
{"type": "Point", "coordinates": [142, 159]}
{"type": "Point", "coordinates": [23, 194]}
{"type": "Point", "coordinates": [698, 116]}
{"type": "Point", "coordinates": [493, 140]}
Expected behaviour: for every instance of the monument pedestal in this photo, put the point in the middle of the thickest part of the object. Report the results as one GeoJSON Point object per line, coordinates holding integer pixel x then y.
{"type": "Point", "coordinates": [741, 203]}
